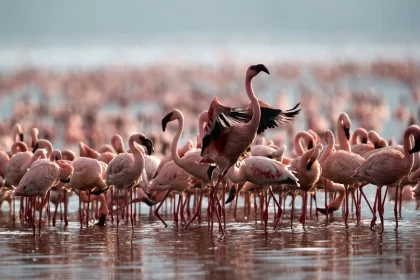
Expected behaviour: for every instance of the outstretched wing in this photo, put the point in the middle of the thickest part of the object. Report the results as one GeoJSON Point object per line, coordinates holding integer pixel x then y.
{"type": "Point", "coordinates": [221, 117]}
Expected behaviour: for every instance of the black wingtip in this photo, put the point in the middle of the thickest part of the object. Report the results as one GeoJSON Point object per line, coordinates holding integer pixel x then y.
{"type": "Point", "coordinates": [330, 210]}
{"type": "Point", "coordinates": [149, 202]}
{"type": "Point", "coordinates": [232, 194]}
{"type": "Point", "coordinates": [99, 192]}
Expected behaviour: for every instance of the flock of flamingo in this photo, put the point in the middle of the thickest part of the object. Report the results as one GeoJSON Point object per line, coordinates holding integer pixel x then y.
{"type": "Point", "coordinates": [228, 159]}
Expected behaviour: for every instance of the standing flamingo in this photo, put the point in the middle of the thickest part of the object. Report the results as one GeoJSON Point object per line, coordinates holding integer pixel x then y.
{"type": "Point", "coordinates": [189, 162]}
{"type": "Point", "coordinates": [125, 170]}
{"type": "Point", "coordinates": [230, 131]}
{"type": "Point", "coordinates": [40, 178]}
{"type": "Point", "coordinates": [389, 167]}
{"type": "Point", "coordinates": [262, 171]}
{"type": "Point", "coordinates": [339, 166]}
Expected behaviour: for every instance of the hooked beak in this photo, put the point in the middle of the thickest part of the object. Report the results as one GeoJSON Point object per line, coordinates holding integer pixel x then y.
{"type": "Point", "coordinates": [165, 120]}
{"type": "Point", "coordinates": [210, 170]}
{"type": "Point", "coordinates": [36, 147]}
{"type": "Point", "coordinates": [260, 68]}
{"type": "Point", "coordinates": [310, 145]}
{"type": "Point", "coordinates": [309, 165]}
{"type": "Point", "coordinates": [149, 145]}
{"type": "Point", "coordinates": [232, 193]}
{"type": "Point", "coordinates": [347, 132]}
{"type": "Point", "coordinates": [21, 136]}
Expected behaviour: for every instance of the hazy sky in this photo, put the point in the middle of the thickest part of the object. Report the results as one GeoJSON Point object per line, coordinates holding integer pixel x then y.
{"type": "Point", "coordinates": [138, 19]}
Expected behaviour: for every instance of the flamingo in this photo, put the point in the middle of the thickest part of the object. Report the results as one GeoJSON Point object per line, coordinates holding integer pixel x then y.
{"type": "Point", "coordinates": [189, 162]}
{"type": "Point", "coordinates": [125, 170]}
{"type": "Point", "coordinates": [339, 166]}
{"type": "Point", "coordinates": [308, 172]}
{"type": "Point", "coordinates": [262, 171]}
{"type": "Point", "coordinates": [40, 178]}
{"type": "Point", "coordinates": [389, 166]}
{"type": "Point", "coordinates": [230, 131]}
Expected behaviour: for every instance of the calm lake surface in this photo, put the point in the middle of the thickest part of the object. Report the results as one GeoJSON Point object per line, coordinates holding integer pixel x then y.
{"type": "Point", "coordinates": [245, 252]}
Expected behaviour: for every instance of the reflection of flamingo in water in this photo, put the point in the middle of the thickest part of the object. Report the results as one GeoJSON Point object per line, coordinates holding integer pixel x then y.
{"type": "Point", "coordinates": [230, 131]}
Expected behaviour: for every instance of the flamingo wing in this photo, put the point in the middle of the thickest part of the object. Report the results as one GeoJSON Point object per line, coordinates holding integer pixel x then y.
{"type": "Point", "coordinates": [221, 118]}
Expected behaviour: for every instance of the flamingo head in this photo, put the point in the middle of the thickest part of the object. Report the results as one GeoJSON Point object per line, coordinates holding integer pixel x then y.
{"type": "Point", "coordinates": [254, 70]}
{"type": "Point", "coordinates": [144, 141]}
{"type": "Point", "coordinates": [166, 119]}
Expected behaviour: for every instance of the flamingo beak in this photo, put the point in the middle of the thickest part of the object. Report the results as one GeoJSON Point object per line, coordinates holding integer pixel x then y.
{"type": "Point", "coordinates": [67, 180]}
{"type": "Point", "coordinates": [21, 136]}
{"type": "Point", "coordinates": [36, 147]}
{"type": "Point", "coordinates": [232, 193]}
{"type": "Point", "coordinates": [309, 165]}
{"type": "Point", "coordinates": [365, 140]}
{"type": "Point", "coordinates": [310, 145]}
{"type": "Point", "coordinates": [330, 210]}
{"type": "Point", "coordinates": [260, 68]}
{"type": "Point", "coordinates": [210, 170]}
{"type": "Point", "coordinates": [347, 132]}
{"type": "Point", "coordinates": [149, 145]}
{"type": "Point", "coordinates": [165, 120]}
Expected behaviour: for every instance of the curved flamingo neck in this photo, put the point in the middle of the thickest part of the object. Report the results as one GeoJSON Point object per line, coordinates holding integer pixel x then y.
{"type": "Point", "coordinates": [359, 134]}
{"type": "Point", "coordinates": [174, 147]}
{"type": "Point", "coordinates": [39, 154]}
{"type": "Point", "coordinates": [138, 163]}
{"type": "Point", "coordinates": [34, 135]}
{"type": "Point", "coordinates": [330, 146]}
{"type": "Point", "coordinates": [408, 157]}
{"type": "Point", "coordinates": [45, 144]}
{"type": "Point", "coordinates": [118, 144]}
{"type": "Point", "coordinates": [256, 113]}
{"type": "Point", "coordinates": [297, 143]}
{"type": "Point", "coordinates": [17, 132]}
{"type": "Point", "coordinates": [342, 140]}
{"type": "Point", "coordinates": [235, 174]}
{"type": "Point", "coordinates": [18, 147]}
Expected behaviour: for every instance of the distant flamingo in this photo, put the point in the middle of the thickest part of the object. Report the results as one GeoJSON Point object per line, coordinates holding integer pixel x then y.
{"type": "Point", "coordinates": [388, 167]}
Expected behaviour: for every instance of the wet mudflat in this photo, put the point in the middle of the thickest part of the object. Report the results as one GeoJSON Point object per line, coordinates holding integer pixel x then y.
{"type": "Point", "coordinates": [245, 252]}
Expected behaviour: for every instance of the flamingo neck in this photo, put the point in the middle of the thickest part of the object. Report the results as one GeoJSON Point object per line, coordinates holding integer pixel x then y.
{"type": "Point", "coordinates": [256, 113]}
{"type": "Point", "coordinates": [235, 174]}
{"type": "Point", "coordinates": [328, 149]}
{"type": "Point", "coordinates": [342, 140]}
{"type": "Point", "coordinates": [18, 147]}
{"type": "Point", "coordinates": [138, 163]}
{"type": "Point", "coordinates": [39, 154]}
{"type": "Point", "coordinates": [174, 146]}
{"type": "Point", "coordinates": [408, 158]}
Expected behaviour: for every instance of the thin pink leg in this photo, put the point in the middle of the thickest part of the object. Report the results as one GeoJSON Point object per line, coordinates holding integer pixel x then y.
{"type": "Point", "coordinates": [160, 205]}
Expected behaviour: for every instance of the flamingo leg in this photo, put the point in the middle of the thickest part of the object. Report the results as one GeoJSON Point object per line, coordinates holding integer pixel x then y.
{"type": "Point", "coordinates": [55, 210]}
{"type": "Point", "coordinates": [131, 210]}
{"type": "Point", "coordinates": [80, 211]}
{"type": "Point", "coordinates": [326, 204]}
{"type": "Point", "coordinates": [383, 201]}
{"type": "Point", "coordinates": [87, 211]}
{"type": "Point", "coordinates": [197, 211]}
{"type": "Point", "coordinates": [380, 208]}
{"type": "Point", "coordinates": [292, 212]}
{"type": "Point", "coordinates": [66, 222]}
{"type": "Point", "coordinates": [400, 205]}
{"type": "Point", "coordinates": [40, 215]}
{"type": "Point", "coordinates": [396, 208]}
{"type": "Point", "coordinates": [111, 208]}
{"type": "Point", "coordinates": [346, 213]}
{"type": "Point", "coordinates": [280, 211]}
{"type": "Point", "coordinates": [160, 205]}
{"type": "Point", "coordinates": [255, 204]}
{"type": "Point", "coordinates": [34, 211]}
{"type": "Point", "coordinates": [118, 206]}
{"type": "Point", "coordinates": [372, 223]}
{"type": "Point", "coordinates": [47, 201]}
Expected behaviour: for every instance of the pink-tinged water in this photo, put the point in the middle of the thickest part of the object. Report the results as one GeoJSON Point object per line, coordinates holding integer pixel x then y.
{"type": "Point", "coordinates": [245, 252]}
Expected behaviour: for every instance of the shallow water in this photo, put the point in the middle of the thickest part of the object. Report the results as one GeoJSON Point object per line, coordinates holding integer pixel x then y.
{"type": "Point", "coordinates": [246, 252]}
